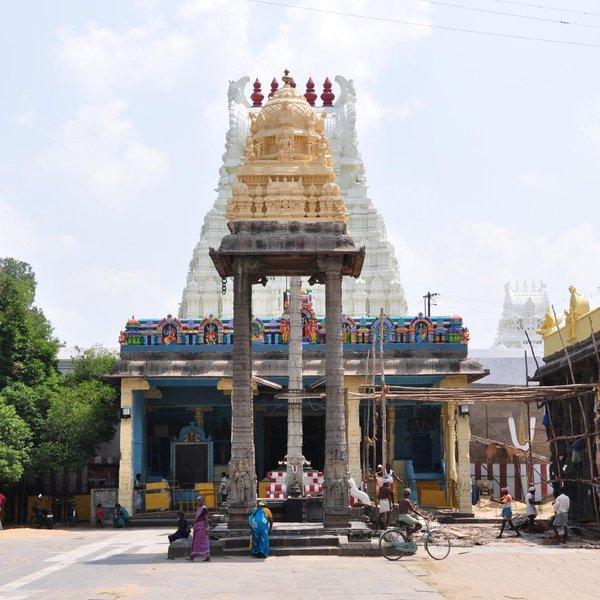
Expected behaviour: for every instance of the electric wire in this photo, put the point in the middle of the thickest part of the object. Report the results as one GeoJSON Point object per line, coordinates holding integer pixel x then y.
{"type": "Point", "coordinates": [426, 25]}
{"type": "Point", "coordinates": [506, 14]}
{"type": "Point", "coordinates": [544, 7]}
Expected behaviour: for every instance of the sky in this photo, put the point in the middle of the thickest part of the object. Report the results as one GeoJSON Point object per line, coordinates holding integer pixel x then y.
{"type": "Point", "coordinates": [481, 142]}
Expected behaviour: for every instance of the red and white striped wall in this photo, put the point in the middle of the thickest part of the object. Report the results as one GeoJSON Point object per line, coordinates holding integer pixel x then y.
{"type": "Point", "coordinates": [276, 490]}
{"type": "Point", "coordinates": [508, 475]}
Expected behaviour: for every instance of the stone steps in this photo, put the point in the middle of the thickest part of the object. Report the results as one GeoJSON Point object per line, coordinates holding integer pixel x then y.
{"type": "Point", "coordinates": [315, 550]}
{"type": "Point", "coordinates": [281, 541]}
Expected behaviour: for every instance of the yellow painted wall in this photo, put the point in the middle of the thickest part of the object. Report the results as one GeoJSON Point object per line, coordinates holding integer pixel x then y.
{"type": "Point", "coordinates": [583, 331]}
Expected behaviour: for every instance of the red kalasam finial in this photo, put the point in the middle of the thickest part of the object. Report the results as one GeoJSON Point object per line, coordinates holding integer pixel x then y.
{"type": "Point", "coordinates": [327, 96]}
{"type": "Point", "coordinates": [256, 95]}
{"type": "Point", "coordinates": [292, 82]}
{"type": "Point", "coordinates": [310, 92]}
{"type": "Point", "coordinates": [274, 87]}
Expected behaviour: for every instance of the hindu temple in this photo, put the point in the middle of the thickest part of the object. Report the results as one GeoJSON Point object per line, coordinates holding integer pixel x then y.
{"type": "Point", "coordinates": [208, 391]}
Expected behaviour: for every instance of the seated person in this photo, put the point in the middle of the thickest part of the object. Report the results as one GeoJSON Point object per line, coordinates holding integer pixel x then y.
{"type": "Point", "coordinates": [406, 508]}
{"type": "Point", "coordinates": [121, 516]}
{"type": "Point", "coordinates": [183, 529]}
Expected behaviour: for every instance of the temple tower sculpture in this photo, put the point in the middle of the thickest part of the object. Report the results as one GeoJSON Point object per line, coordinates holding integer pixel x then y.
{"type": "Point", "coordinates": [286, 217]}
{"type": "Point", "coordinates": [523, 311]}
{"type": "Point", "coordinates": [379, 283]}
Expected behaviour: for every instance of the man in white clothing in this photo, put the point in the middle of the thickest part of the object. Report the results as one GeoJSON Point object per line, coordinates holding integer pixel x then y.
{"type": "Point", "coordinates": [531, 509]}
{"type": "Point", "coordinates": [561, 519]}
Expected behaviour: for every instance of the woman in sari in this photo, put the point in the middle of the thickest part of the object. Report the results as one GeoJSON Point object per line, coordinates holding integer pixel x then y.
{"type": "Point", "coordinates": [120, 516]}
{"type": "Point", "coordinates": [261, 521]}
{"type": "Point", "coordinates": [200, 544]}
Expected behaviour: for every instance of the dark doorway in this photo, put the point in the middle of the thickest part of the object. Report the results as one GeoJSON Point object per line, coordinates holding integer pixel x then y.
{"type": "Point", "coordinates": [275, 442]}
{"type": "Point", "coordinates": [191, 463]}
{"type": "Point", "coordinates": [421, 451]}
{"type": "Point", "coordinates": [313, 446]}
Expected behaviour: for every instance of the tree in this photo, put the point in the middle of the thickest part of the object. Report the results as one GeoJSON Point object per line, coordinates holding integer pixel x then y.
{"type": "Point", "coordinates": [81, 416]}
{"type": "Point", "coordinates": [91, 364]}
{"type": "Point", "coordinates": [28, 351]}
{"type": "Point", "coordinates": [15, 443]}
{"type": "Point", "coordinates": [55, 422]}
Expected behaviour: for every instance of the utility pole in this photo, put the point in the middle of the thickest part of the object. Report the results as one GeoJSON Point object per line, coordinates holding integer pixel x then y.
{"type": "Point", "coordinates": [427, 302]}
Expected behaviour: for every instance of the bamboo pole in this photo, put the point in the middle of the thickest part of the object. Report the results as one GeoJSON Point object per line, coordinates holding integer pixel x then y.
{"type": "Point", "coordinates": [563, 346]}
{"type": "Point", "coordinates": [596, 412]}
{"type": "Point", "coordinates": [384, 448]}
{"type": "Point", "coordinates": [532, 352]}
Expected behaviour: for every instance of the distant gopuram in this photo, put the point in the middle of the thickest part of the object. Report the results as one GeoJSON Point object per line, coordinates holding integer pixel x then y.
{"type": "Point", "coordinates": [287, 217]}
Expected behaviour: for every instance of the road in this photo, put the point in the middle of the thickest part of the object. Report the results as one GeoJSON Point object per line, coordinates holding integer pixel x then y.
{"type": "Point", "coordinates": [108, 564]}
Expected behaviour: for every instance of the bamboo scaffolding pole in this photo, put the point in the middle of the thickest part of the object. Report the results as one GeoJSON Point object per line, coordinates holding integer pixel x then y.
{"type": "Point", "coordinates": [384, 448]}
{"type": "Point", "coordinates": [596, 412]}
{"type": "Point", "coordinates": [521, 394]}
{"type": "Point", "coordinates": [580, 403]}
{"type": "Point", "coordinates": [529, 462]}
{"type": "Point", "coordinates": [563, 345]}
{"type": "Point", "coordinates": [532, 352]}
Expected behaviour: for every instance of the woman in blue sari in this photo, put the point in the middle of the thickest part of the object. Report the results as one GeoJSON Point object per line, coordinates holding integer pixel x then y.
{"type": "Point", "coordinates": [121, 516]}
{"type": "Point", "coordinates": [261, 521]}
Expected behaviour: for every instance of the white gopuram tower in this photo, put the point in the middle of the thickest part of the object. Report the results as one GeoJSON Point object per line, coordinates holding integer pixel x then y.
{"type": "Point", "coordinates": [379, 284]}
{"type": "Point", "coordinates": [524, 307]}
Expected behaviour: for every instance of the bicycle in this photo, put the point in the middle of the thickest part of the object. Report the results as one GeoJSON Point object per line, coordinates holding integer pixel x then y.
{"type": "Point", "coordinates": [395, 542]}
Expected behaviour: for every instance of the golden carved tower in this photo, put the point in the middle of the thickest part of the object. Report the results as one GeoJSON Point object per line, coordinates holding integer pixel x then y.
{"type": "Point", "coordinates": [287, 173]}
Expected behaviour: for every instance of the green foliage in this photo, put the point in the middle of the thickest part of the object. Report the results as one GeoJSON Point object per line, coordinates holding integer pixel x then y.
{"type": "Point", "coordinates": [81, 417]}
{"type": "Point", "coordinates": [47, 422]}
{"type": "Point", "coordinates": [15, 443]}
{"type": "Point", "coordinates": [90, 364]}
{"type": "Point", "coordinates": [27, 349]}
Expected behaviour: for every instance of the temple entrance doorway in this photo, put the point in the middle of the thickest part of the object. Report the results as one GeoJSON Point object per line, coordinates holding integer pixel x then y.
{"type": "Point", "coordinates": [313, 446]}
{"type": "Point", "coordinates": [422, 452]}
{"type": "Point", "coordinates": [275, 441]}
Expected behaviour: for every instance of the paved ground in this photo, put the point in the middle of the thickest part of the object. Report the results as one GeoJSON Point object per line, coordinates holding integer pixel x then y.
{"type": "Point", "coordinates": [90, 564]}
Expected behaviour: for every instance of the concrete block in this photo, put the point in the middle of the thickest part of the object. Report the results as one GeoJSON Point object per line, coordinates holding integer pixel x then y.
{"type": "Point", "coordinates": [179, 549]}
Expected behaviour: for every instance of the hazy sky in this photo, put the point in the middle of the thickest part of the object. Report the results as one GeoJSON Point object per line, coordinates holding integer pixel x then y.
{"type": "Point", "coordinates": [481, 151]}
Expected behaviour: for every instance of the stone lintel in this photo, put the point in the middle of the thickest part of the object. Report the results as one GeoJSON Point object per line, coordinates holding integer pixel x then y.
{"type": "Point", "coordinates": [287, 248]}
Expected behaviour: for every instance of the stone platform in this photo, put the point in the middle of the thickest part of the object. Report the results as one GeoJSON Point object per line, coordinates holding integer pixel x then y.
{"type": "Point", "coordinates": [288, 539]}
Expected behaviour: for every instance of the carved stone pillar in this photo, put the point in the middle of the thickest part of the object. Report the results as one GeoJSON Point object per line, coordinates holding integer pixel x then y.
{"type": "Point", "coordinates": [456, 434]}
{"type": "Point", "coordinates": [128, 386]}
{"type": "Point", "coordinates": [353, 430]}
{"type": "Point", "coordinates": [242, 467]}
{"type": "Point", "coordinates": [463, 438]}
{"type": "Point", "coordinates": [335, 487]}
{"type": "Point", "coordinates": [295, 460]}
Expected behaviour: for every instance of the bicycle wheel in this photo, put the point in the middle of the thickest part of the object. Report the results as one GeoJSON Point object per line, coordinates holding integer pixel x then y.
{"type": "Point", "coordinates": [389, 542]}
{"type": "Point", "coordinates": [437, 544]}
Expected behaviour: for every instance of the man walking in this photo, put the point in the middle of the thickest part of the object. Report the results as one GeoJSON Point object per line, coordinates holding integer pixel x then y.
{"type": "Point", "coordinates": [561, 519]}
{"type": "Point", "coordinates": [506, 501]}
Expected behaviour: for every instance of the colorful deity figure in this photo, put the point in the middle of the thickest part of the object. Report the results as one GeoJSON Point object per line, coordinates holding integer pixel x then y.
{"type": "Point", "coordinates": [169, 334]}
{"type": "Point", "coordinates": [420, 332]}
{"type": "Point", "coordinates": [464, 336]}
{"type": "Point", "coordinates": [122, 339]}
{"type": "Point", "coordinates": [210, 335]}
{"type": "Point", "coordinates": [313, 331]}
{"type": "Point", "coordinates": [284, 329]}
